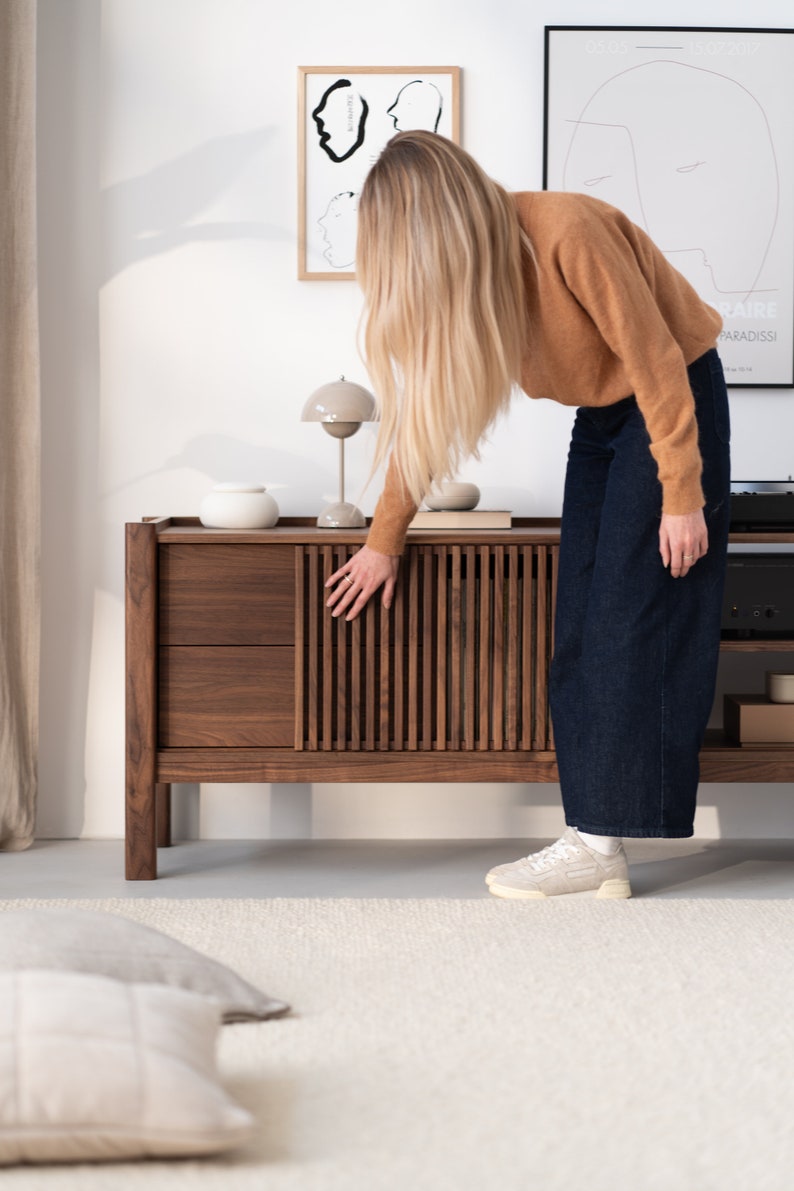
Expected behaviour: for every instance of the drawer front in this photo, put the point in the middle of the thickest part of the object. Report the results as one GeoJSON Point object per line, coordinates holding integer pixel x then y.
{"type": "Point", "coordinates": [227, 697]}
{"type": "Point", "coordinates": [227, 595]}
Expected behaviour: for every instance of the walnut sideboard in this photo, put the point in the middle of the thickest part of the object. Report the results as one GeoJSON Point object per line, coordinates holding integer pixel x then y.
{"type": "Point", "coordinates": [237, 672]}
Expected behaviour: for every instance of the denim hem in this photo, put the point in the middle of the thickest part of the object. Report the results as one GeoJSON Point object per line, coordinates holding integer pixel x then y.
{"type": "Point", "coordinates": [634, 832]}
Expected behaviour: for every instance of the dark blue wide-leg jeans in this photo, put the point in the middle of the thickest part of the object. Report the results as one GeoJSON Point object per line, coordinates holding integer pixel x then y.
{"type": "Point", "coordinates": [635, 651]}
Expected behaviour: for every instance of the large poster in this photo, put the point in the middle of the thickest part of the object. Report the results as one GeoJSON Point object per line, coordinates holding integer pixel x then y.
{"type": "Point", "coordinates": [346, 115]}
{"type": "Point", "coordinates": [689, 132]}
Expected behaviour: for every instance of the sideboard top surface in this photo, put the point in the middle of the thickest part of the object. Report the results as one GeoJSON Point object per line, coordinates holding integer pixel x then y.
{"type": "Point", "coordinates": [303, 530]}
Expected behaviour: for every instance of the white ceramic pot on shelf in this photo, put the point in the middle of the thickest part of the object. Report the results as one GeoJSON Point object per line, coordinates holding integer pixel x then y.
{"type": "Point", "coordinates": [238, 506]}
{"type": "Point", "coordinates": [453, 496]}
{"type": "Point", "coordinates": [779, 686]}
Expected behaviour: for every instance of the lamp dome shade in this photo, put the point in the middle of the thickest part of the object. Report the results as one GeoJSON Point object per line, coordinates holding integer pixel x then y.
{"type": "Point", "coordinates": [340, 401]}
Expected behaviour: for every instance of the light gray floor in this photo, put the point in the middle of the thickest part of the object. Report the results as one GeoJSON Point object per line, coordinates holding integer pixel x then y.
{"type": "Point", "coordinates": [319, 868]}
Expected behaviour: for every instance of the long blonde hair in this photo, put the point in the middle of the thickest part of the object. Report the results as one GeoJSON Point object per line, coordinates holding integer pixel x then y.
{"type": "Point", "coordinates": [440, 259]}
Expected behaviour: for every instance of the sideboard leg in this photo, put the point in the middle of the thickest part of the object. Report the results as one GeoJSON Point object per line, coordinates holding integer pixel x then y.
{"type": "Point", "coordinates": [163, 804]}
{"type": "Point", "coordinates": [141, 701]}
{"type": "Point", "coordinates": [141, 840]}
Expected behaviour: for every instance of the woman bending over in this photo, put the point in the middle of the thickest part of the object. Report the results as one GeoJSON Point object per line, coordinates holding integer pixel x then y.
{"type": "Point", "coordinates": [469, 291]}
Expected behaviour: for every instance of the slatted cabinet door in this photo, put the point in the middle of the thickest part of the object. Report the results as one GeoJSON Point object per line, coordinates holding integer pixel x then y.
{"type": "Point", "coordinates": [460, 663]}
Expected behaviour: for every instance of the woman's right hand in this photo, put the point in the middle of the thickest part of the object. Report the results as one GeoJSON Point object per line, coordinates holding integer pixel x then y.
{"type": "Point", "coordinates": [360, 578]}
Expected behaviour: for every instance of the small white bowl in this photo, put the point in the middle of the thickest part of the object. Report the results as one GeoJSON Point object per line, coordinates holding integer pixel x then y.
{"type": "Point", "coordinates": [238, 506]}
{"type": "Point", "coordinates": [453, 496]}
{"type": "Point", "coordinates": [779, 687]}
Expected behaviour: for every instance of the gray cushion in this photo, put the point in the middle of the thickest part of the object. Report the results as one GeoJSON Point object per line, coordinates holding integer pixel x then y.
{"type": "Point", "coordinates": [111, 945]}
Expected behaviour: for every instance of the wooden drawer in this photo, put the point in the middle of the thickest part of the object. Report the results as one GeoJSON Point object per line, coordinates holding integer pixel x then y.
{"type": "Point", "coordinates": [232, 697]}
{"type": "Point", "coordinates": [227, 595]}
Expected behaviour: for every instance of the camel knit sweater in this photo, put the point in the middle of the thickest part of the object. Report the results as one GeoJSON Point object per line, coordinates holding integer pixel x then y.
{"type": "Point", "coordinates": [607, 317]}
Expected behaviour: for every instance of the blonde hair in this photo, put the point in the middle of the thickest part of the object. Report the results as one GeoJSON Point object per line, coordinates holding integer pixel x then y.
{"type": "Point", "coordinates": [440, 259]}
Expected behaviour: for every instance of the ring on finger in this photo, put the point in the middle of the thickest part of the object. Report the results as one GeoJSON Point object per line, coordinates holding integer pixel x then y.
{"type": "Point", "coordinates": [689, 558]}
{"type": "Point", "coordinates": [348, 580]}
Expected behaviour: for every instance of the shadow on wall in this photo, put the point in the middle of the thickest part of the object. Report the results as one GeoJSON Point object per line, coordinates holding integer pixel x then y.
{"type": "Point", "coordinates": [138, 218]}
{"type": "Point", "coordinates": [222, 457]}
{"type": "Point", "coordinates": [151, 214]}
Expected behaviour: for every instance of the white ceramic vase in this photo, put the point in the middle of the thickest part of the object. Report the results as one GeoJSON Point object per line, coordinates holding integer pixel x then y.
{"type": "Point", "coordinates": [451, 496]}
{"type": "Point", "coordinates": [238, 506]}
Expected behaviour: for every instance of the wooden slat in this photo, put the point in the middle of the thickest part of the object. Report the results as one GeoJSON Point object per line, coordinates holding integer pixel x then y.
{"type": "Point", "coordinates": [484, 660]}
{"type": "Point", "coordinates": [340, 674]}
{"type": "Point", "coordinates": [369, 616]}
{"type": "Point", "coordinates": [527, 650]}
{"type": "Point", "coordinates": [398, 608]}
{"type": "Point", "coordinates": [455, 647]}
{"type": "Point", "coordinates": [470, 667]}
{"type": "Point", "coordinates": [300, 645]}
{"type": "Point", "coordinates": [512, 647]}
{"type": "Point", "coordinates": [327, 624]}
{"type": "Point", "coordinates": [356, 636]}
{"type": "Point", "coordinates": [441, 650]}
{"type": "Point", "coordinates": [414, 702]}
{"type": "Point", "coordinates": [385, 678]}
{"type": "Point", "coordinates": [541, 694]}
{"type": "Point", "coordinates": [313, 661]}
{"type": "Point", "coordinates": [554, 556]}
{"type": "Point", "coordinates": [498, 659]}
{"type": "Point", "coordinates": [426, 617]}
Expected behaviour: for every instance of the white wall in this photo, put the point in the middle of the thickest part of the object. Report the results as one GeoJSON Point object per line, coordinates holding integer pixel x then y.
{"type": "Point", "coordinates": [178, 347]}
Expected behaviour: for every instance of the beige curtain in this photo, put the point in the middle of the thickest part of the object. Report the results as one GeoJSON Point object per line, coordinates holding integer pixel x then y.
{"type": "Point", "coordinates": [19, 426]}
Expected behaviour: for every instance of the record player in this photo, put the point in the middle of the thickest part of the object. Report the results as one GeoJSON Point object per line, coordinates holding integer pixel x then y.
{"type": "Point", "coordinates": [759, 585]}
{"type": "Point", "coordinates": [762, 506]}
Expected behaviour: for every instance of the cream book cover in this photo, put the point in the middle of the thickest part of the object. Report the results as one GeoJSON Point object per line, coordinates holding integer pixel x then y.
{"type": "Point", "coordinates": [460, 519]}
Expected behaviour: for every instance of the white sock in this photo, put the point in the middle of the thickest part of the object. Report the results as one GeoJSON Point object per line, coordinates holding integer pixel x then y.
{"type": "Point", "coordinates": [605, 844]}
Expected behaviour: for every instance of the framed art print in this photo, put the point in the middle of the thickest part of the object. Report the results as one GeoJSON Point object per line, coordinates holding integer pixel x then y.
{"type": "Point", "coordinates": [688, 131]}
{"type": "Point", "coordinates": [346, 114]}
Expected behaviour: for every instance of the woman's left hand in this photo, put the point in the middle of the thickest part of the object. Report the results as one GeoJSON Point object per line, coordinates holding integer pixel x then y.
{"type": "Point", "coordinates": [682, 541]}
{"type": "Point", "coordinates": [358, 579]}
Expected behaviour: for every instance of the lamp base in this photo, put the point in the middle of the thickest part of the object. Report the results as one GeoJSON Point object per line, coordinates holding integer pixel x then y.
{"type": "Point", "coordinates": [341, 516]}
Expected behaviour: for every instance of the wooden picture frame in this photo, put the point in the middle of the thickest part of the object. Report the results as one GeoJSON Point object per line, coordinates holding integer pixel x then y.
{"type": "Point", "coordinates": [688, 131]}
{"type": "Point", "coordinates": [346, 114]}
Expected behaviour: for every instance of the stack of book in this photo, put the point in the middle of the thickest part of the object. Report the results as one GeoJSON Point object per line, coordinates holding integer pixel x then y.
{"type": "Point", "coordinates": [462, 519]}
{"type": "Point", "coordinates": [753, 720]}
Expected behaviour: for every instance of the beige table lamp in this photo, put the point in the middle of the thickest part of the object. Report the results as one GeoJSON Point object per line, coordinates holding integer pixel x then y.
{"type": "Point", "coordinates": [340, 407]}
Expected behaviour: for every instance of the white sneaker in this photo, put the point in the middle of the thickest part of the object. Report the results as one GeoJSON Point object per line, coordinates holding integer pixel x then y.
{"type": "Point", "coordinates": [567, 866]}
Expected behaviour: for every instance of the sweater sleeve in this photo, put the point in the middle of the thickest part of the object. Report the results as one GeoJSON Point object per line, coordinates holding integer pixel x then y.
{"type": "Point", "coordinates": [393, 513]}
{"type": "Point", "coordinates": [609, 265]}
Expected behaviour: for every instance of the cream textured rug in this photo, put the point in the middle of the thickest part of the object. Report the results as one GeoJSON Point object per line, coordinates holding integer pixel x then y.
{"type": "Point", "coordinates": [445, 1045]}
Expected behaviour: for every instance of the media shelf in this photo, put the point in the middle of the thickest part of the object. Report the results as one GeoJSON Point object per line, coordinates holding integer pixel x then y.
{"type": "Point", "coordinates": [756, 645]}
{"type": "Point", "coordinates": [237, 672]}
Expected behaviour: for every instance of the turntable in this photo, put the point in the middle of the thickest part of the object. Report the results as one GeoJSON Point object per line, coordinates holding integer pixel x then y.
{"type": "Point", "coordinates": [762, 506]}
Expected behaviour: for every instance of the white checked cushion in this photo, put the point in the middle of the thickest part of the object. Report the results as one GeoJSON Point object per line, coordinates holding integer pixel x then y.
{"type": "Point", "coordinates": [111, 945]}
{"type": "Point", "coordinates": [92, 1069]}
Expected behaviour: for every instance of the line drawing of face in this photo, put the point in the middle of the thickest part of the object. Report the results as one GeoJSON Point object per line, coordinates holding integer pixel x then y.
{"type": "Point", "coordinates": [418, 105]}
{"type": "Point", "coordinates": [339, 229]}
{"type": "Point", "coordinates": [659, 141]}
{"type": "Point", "coordinates": [341, 119]}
